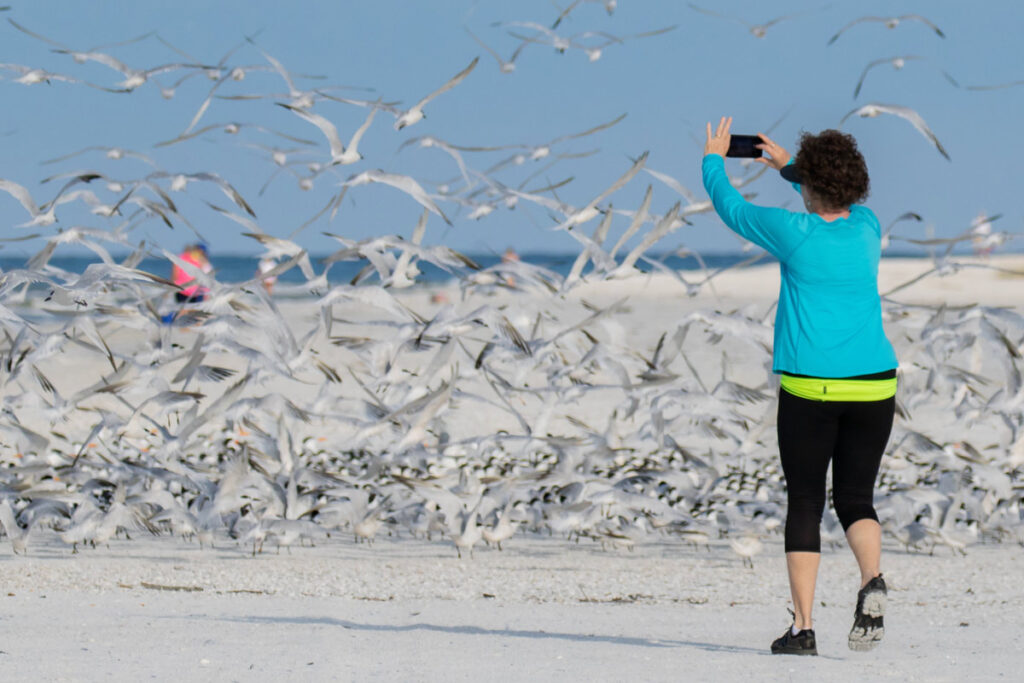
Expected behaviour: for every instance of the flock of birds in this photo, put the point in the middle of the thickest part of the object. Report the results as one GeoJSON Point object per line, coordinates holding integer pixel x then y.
{"type": "Point", "coordinates": [518, 409]}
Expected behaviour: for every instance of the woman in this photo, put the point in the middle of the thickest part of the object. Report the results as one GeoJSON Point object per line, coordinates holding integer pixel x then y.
{"type": "Point", "coordinates": [189, 289]}
{"type": "Point", "coordinates": [838, 370]}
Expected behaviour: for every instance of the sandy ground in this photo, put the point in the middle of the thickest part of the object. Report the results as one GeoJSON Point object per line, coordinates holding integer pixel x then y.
{"type": "Point", "coordinates": [544, 609]}
{"type": "Point", "coordinates": [540, 610]}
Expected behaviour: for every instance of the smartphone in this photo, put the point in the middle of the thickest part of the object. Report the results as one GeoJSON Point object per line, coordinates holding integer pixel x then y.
{"type": "Point", "coordinates": [743, 146]}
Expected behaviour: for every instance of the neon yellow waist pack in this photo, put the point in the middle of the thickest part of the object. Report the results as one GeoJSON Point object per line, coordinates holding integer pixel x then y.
{"type": "Point", "coordinates": [823, 389]}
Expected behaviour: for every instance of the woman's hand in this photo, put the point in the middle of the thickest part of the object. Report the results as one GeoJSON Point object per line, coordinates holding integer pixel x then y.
{"type": "Point", "coordinates": [777, 157]}
{"type": "Point", "coordinates": [719, 142]}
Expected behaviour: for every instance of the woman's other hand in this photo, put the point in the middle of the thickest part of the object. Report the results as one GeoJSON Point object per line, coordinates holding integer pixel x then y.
{"type": "Point", "coordinates": [719, 142]}
{"type": "Point", "coordinates": [777, 157]}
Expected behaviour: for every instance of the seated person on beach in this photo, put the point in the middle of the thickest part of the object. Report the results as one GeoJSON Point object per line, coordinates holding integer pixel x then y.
{"type": "Point", "coordinates": [510, 256]}
{"type": "Point", "coordinates": [191, 291]}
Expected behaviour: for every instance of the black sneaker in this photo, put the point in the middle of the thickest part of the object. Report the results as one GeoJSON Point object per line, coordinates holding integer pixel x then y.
{"type": "Point", "coordinates": [800, 644]}
{"type": "Point", "coordinates": [867, 628]}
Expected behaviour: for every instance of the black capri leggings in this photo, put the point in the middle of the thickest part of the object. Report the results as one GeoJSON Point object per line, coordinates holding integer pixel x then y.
{"type": "Point", "coordinates": [853, 435]}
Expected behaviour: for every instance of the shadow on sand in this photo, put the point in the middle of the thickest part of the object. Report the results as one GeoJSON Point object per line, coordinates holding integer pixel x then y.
{"type": "Point", "coordinates": [502, 633]}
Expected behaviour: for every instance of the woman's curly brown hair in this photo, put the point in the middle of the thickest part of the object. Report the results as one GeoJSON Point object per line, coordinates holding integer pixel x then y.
{"type": "Point", "coordinates": [833, 168]}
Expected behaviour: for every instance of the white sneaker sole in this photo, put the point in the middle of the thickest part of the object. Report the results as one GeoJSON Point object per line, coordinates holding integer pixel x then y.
{"type": "Point", "coordinates": [864, 639]}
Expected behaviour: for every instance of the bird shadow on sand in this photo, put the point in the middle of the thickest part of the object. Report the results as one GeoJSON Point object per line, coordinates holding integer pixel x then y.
{"type": "Point", "coordinates": [502, 633]}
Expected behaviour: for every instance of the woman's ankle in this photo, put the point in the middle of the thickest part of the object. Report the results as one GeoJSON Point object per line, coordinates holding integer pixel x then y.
{"type": "Point", "coordinates": [805, 626]}
{"type": "Point", "coordinates": [865, 579]}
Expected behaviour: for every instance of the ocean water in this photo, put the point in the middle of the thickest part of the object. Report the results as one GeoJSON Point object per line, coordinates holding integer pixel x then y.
{"type": "Point", "coordinates": [236, 268]}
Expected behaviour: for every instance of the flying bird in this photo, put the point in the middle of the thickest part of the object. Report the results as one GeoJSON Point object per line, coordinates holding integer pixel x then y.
{"type": "Point", "coordinates": [997, 86]}
{"type": "Point", "coordinates": [113, 153]}
{"type": "Point", "coordinates": [560, 43]}
{"type": "Point", "coordinates": [505, 66]}
{"type": "Point", "coordinates": [400, 182]}
{"type": "Point", "coordinates": [415, 114]}
{"type": "Point", "coordinates": [544, 149]}
{"type": "Point", "coordinates": [340, 154]}
{"type": "Point", "coordinates": [31, 75]}
{"type": "Point", "coordinates": [874, 109]}
{"type": "Point", "coordinates": [756, 30]}
{"type": "Point", "coordinates": [133, 77]}
{"type": "Point", "coordinates": [890, 22]}
{"type": "Point", "coordinates": [897, 63]}
{"type": "Point", "coordinates": [232, 128]}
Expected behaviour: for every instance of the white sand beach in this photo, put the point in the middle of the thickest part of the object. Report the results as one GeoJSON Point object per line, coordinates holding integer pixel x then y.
{"type": "Point", "coordinates": [541, 610]}
{"type": "Point", "coordinates": [661, 599]}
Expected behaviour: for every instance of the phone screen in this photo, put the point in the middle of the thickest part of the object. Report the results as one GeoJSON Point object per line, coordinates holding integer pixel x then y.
{"type": "Point", "coordinates": [743, 146]}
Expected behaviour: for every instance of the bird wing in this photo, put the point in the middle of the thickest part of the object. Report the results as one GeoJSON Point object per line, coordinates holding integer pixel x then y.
{"type": "Point", "coordinates": [417, 239]}
{"type": "Point", "coordinates": [65, 157]}
{"type": "Point", "coordinates": [915, 120]}
{"type": "Point", "coordinates": [244, 221]}
{"type": "Point", "coordinates": [871, 65]}
{"type": "Point", "coordinates": [278, 67]}
{"type": "Point", "coordinates": [885, 60]}
{"type": "Point", "coordinates": [358, 135]}
{"type": "Point", "coordinates": [565, 13]}
{"type": "Point", "coordinates": [626, 177]}
{"type": "Point", "coordinates": [595, 129]}
{"type": "Point", "coordinates": [909, 215]}
{"type": "Point", "coordinates": [926, 22]}
{"type": "Point", "coordinates": [408, 185]}
{"type": "Point", "coordinates": [674, 184]}
{"type": "Point", "coordinates": [648, 34]}
{"type": "Point", "coordinates": [639, 217]}
{"type": "Point", "coordinates": [188, 136]}
{"type": "Point", "coordinates": [994, 87]}
{"type": "Point", "coordinates": [104, 59]}
{"type": "Point", "coordinates": [21, 194]}
{"type": "Point", "coordinates": [851, 24]}
{"type": "Point", "coordinates": [46, 40]}
{"type": "Point", "coordinates": [450, 84]}
{"type": "Point", "coordinates": [859, 111]}
{"type": "Point", "coordinates": [712, 13]}
{"type": "Point", "coordinates": [227, 188]}
{"type": "Point", "coordinates": [326, 127]}
{"type": "Point", "coordinates": [485, 45]}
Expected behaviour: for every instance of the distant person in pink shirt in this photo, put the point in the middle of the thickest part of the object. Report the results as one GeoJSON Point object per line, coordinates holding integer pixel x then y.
{"type": "Point", "coordinates": [267, 264]}
{"type": "Point", "coordinates": [510, 256]}
{"type": "Point", "coordinates": [191, 291]}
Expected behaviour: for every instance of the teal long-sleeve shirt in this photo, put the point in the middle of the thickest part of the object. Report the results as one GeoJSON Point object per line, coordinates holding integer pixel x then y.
{"type": "Point", "coordinates": [829, 318]}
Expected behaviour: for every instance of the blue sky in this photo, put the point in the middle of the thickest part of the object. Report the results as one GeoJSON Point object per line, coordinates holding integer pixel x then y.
{"type": "Point", "coordinates": [669, 85]}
